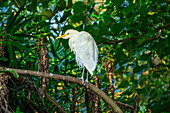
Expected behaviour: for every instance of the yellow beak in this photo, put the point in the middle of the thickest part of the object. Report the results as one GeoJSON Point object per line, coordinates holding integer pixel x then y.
{"type": "Point", "coordinates": [62, 36]}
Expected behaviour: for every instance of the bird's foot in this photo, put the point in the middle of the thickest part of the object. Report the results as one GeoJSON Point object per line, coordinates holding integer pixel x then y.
{"type": "Point", "coordinates": [83, 83]}
{"type": "Point", "coordinates": [87, 81]}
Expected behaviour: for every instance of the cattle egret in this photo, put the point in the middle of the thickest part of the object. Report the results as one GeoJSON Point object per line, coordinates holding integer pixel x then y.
{"type": "Point", "coordinates": [84, 48]}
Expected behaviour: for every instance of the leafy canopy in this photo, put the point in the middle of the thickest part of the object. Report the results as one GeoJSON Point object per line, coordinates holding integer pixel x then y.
{"type": "Point", "coordinates": [132, 34]}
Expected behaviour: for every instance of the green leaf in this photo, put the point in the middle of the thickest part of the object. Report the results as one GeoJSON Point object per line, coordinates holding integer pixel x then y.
{"type": "Point", "coordinates": [151, 32]}
{"type": "Point", "coordinates": [10, 17]}
{"type": "Point", "coordinates": [3, 58]}
{"type": "Point", "coordinates": [18, 110]}
{"type": "Point", "coordinates": [70, 4]}
{"type": "Point", "coordinates": [142, 40]}
{"type": "Point", "coordinates": [124, 84]}
{"type": "Point", "coordinates": [131, 19]}
{"type": "Point", "coordinates": [141, 91]}
{"type": "Point", "coordinates": [3, 3]}
{"type": "Point", "coordinates": [129, 9]}
{"type": "Point", "coordinates": [107, 17]}
{"type": "Point", "coordinates": [22, 24]}
{"type": "Point", "coordinates": [145, 57]}
{"type": "Point", "coordinates": [77, 18]}
{"type": "Point", "coordinates": [20, 19]}
{"type": "Point", "coordinates": [65, 16]}
{"type": "Point", "coordinates": [38, 18]}
{"type": "Point", "coordinates": [62, 5]}
{"type": "Point", "coordinates": [54, 46]}
{"type": "Point", "coordinates": [12, 20]}
{"type": "Point", "coordinates": [6, 13]}
{"type": "Point", "coordinates": [12, 55]}
{"type": "Point", "coordinates": [21, 47]}
{"type": "Point", "coordinates": [32, 7]}
{"type": "Point", "coordinates": [139, 69]}
{"type": "Point", "coordinates": [117, 28]}
{"type": "Point", "coordinates": [15, 73]}
{"type": "Point", "coordinates": [65, 43]}
{"type": "Point", "coordinates": [43, 24]}
{"type": "Point", "coordinates": [20, 36]}
{"type": "Point", "coordinates": [119, 54]}
{"type": "Point", "coordinates": [95, 16]}
{"type": "Point", "coordinates": [47, 14]}
{"type": "Point", "coordinates": [79, 7]}
{"type": "Point", "coordinates": [105, 79]}
{"type": "Point", "coordinates": [10, 52]}
{"type": "Point", "coordinates": [15, 38]}
{"type": "Point", "coordinates": [11, 71]}
{"type": "Point", "coordinates": [117, 2]}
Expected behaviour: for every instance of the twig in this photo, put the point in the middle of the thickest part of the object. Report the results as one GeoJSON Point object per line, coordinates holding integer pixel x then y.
{"type": "Point", "coordinates": [40, 92]}
{"type": "Point", "coordinates": [136, 102]}
{"type": "Point", "coordinates": [4, 109]}
{"type": "Point", "coordinates": [73, 106]}
{"type": "Point", "coordinates": [162, 27]}
{"type": "Point", "coordinates": [96, 109]}
{"type": "Point", "coordinates": [133, 38]}
{"type": "Point", "coordinates": [35, 106]}
{"type": "Point", "coordinates": [90, 86]}
{"type": "Point", "coordinates": [125, 106]}
{"type": "Point", "coordinates": [59, 108]}
{"type": "Point", "coordinates": [31, 107]}
{"type": "Point", "coordinates": [160, 10]}
{"type": "Point", "coordinates": [124, 40]}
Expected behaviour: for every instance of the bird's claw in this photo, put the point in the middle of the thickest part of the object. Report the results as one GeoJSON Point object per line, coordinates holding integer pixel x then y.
{"type": "Point", "coordinates": [87, 81]}
{"type": "Point", "coordinates": [83, 82]}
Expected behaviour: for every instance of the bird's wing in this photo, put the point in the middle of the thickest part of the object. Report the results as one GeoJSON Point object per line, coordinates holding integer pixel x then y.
{"type": "Point", "coordinates": [86, 51]}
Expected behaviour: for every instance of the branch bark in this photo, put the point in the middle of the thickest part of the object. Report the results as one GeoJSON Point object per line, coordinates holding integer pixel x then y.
{"type": "Point", "coordinates": [90, 86]}
{"type": "Point", "coordinates": [4, 109]}
{"type": "Point", "coordinates": [119, 41]}
{"type": "Point", "coordinates": [51, 100]}
{"type": "Point", "coordinates": [125, 106]}
{"type": "Point", "coordinates": [35, 106]}
{"type": "Point", "coordinates": [133, 38]}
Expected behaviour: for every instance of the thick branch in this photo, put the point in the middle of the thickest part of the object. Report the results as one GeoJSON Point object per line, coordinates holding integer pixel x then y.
{"type": "Point", "coordinates": [90, 86]}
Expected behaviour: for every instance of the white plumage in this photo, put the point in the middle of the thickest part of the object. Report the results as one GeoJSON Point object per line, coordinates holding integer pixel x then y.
{"type": "Point", "coordinates": [84, 48]}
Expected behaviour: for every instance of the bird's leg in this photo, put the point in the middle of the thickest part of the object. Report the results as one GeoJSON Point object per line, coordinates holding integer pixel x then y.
{"type": "Point", "coordinates": [82, 75]}
{"type": "Point", "coordinates": [87, 78]}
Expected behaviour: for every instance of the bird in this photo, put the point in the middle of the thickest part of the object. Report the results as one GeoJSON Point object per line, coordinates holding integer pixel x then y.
{"type": "Point", "coordinates": [85, 49]}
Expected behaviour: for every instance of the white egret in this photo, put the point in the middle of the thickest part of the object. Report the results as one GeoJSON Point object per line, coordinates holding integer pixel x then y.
{"type": "Point", "coordinates": [84, 48]}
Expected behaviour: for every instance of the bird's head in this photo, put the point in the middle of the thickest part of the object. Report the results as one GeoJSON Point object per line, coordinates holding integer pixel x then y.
{"type": "Point", "coordinates": [68, 34]}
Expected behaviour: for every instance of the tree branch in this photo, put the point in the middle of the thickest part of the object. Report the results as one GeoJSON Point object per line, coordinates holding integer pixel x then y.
{"type": "Point", "coordinates": [30, 85]}
{"type": "Point", "coordinates": [4, 109]}
{"type": "Point", "coordinates": [133, 38]}
{"type": "Point", "coordinates": [90, 86]}
{"type": "Point", "coordinates": [124, 40]}
{"type": "Point", "coordinates": [162, 27]}
{"type": "Point", "coordinates": [51, 100]}
{"type": "Point", "coordinates": [160, 10]}
{"type": "Point", "coordinates": [125, 106]}
{"type": "Point", "coordinates": [31, 103]}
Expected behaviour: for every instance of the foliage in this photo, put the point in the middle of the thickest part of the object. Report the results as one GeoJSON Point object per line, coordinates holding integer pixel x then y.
{"type": "Point", "coordinates": [133, 34]}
